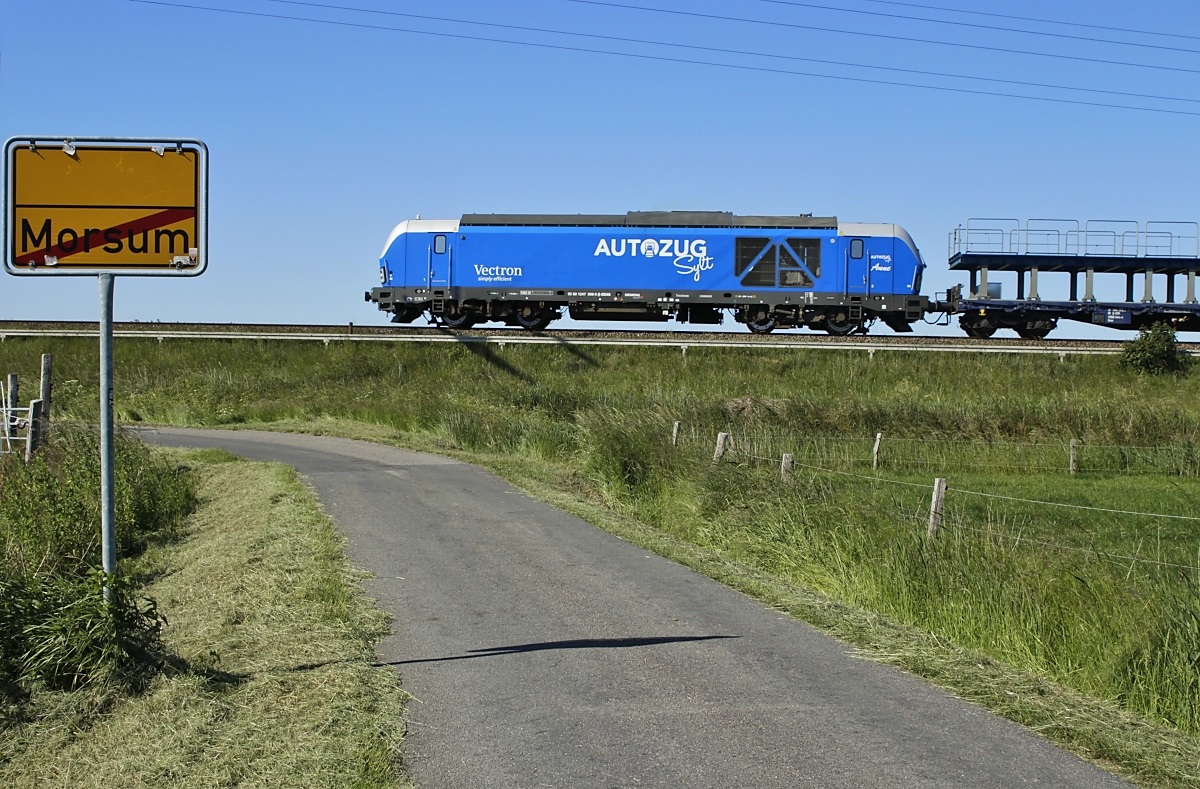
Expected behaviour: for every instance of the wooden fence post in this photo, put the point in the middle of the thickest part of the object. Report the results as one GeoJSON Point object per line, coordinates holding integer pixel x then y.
{"type": "Point", "coordinates": [786, 465]}
{"type": "Point", "coordinates": [722, 438]}
{"type": "Point", "coordinates": [935, 507]}
{"type": "Point", "coordinates": [33, 439]}
{"type": "Point", "coordinates": [875, 453]}
{"type": "Point", "coordinates": [675, 434]}
{"type": "Point", "coordinates": [47, 369]}
{"type": "Point", "coordinates": [1074, 457]}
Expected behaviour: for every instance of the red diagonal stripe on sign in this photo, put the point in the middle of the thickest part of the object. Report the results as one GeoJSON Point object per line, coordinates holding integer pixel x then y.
{"type": "Point", "coordinates": [139, 225]}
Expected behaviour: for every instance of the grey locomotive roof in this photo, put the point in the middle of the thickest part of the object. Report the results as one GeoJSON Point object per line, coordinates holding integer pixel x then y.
{"type": "Point", "coordinates": [654, 219]}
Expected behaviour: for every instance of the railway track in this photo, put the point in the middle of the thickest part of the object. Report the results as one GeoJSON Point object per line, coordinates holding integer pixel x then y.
{"type": "Point", "coordinates": [682, 339]}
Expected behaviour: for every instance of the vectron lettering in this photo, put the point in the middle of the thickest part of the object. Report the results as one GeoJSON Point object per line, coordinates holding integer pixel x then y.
{"type": "Point", "coordinates": [497, 273]}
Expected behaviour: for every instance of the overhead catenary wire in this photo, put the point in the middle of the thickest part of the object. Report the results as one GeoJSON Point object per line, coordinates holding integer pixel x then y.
{"type": "Point", "coordinates": [1039, 20]}
{"type": "Point", "coordinates": [667, 59]}
{"type": "Point", "coordinates": [730, 51]}
{"type": "Point", "coordinates": [886, 36]}
{"type": "Point", "coordinates": [980, 26]}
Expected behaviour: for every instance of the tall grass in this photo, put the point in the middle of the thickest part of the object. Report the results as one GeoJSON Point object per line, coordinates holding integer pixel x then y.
{"type": "Point", "coordinates": [56, 628]}
{"type": "Point", "coordinates": [415, 387]}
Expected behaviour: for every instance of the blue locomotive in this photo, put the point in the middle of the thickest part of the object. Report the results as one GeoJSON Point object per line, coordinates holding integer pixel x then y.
{"type": "Point", "coordinates": [695, 267]}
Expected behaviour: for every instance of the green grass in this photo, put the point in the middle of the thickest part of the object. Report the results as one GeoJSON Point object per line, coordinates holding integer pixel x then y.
{"type": "Point", "coordinates": [56, 629]}
{"type": "Point", "coordinates": [1081, 623]}
{"type": "Point", "coordinates": [271, 681]}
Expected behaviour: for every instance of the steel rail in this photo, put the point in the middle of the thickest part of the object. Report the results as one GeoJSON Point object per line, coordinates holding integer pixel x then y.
{"type": "Point", "coordinates": [936, 344]}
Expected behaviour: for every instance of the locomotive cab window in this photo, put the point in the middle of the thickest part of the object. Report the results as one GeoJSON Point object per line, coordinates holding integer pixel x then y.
{"type": "Point", "coordinates": [439, 245]}
{"type": "Point", "coordinates": [856, 248]}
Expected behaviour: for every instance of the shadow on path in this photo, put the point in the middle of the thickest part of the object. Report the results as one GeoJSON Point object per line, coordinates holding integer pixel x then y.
{"type": "Point", "coordinates": [579, 643]}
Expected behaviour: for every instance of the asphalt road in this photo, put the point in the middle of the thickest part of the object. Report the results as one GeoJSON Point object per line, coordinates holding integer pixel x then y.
{"type": "Point", "coordinates": [544, 652]}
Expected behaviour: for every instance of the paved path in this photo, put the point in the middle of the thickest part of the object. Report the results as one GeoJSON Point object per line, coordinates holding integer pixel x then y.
{"type": "Point", "coordinates": [544, 652]}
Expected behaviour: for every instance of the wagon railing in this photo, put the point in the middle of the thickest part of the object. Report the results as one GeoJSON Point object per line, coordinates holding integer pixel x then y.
{"type": "Point", "coordinates": [1068, 237]}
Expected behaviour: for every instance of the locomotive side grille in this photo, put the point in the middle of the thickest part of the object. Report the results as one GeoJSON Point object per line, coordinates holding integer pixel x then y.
{"type": "Point", "coordinates": [746, 250]}
{"type": "Point", "coordinates": [791, 273]}
{"type": "Point", "coordinates": [809, 252]}
{"type": "Point", "coordinates": [762, 273]}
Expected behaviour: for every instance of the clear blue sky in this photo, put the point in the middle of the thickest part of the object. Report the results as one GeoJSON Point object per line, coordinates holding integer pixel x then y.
{"type": "Point", "coordinates": [323, 136]}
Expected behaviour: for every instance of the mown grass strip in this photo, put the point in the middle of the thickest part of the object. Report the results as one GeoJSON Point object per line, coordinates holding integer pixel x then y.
{"type": "Point", "coordinates": [273, 682]}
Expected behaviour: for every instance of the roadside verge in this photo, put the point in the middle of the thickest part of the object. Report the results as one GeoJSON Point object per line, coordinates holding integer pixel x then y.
{"type": "Point", "coordinates": [272, 681]}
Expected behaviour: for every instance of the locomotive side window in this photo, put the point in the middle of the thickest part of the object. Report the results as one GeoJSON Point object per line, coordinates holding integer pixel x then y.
{"type": "Point", "coordinates": [439, 245]}
{"type": "Point", "coordinates": [856, 248]}
{"type": "Point", "coordinates": [808, 251]}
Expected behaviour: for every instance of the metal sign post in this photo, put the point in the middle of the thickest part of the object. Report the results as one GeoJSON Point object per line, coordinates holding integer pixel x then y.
{"type": "Point", "coordinates": [108, 509]}
{"type": "Point", "coordinates": [103, 206]}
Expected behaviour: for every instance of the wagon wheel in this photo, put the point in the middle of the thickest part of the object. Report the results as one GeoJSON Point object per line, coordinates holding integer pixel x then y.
{"type": "Point", "coordinates": [973, 326]}
{"type": "Point", "coordinates": [979, 332]}
{"type": "Point", "coordinates": [1036, 332]}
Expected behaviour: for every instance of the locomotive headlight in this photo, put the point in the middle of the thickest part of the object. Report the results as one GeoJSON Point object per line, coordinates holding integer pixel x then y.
{"type": "Point", "coordinates": [382, 275]}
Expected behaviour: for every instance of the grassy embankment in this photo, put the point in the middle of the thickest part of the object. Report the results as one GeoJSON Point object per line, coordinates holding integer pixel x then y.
{"type": "Point", "coordinates": [259, 674]}
{"type": "Point", "coordinates": [1083, 623]}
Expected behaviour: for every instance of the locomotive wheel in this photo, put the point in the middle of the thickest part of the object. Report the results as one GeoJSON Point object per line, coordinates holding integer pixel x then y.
{"type": "Point", "coordinates": [760, 325]}
{"type": "Point", "coordinates": [533, 319]}
{"type": "Point", "coordinates": [406, 314]}
{"type": "Point", "coordinates": [458, 319]}
{"type": "Point", "coordinates": [840, 325]}
{"type": "Point", "coordinates": [759, 320]}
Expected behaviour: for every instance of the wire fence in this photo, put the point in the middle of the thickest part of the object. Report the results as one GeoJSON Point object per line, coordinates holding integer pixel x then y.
{"type": "Point", "coordinates": [1067, 456]}
{"type": "Point", "coordinates": [848, 452]}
